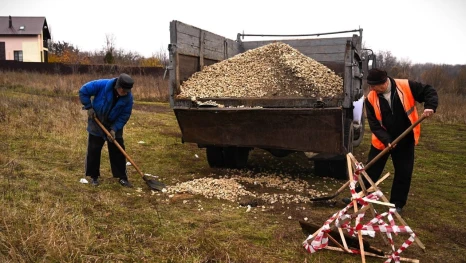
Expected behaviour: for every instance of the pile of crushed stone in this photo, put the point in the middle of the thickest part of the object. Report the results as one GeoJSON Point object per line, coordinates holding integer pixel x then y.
{"type": "Point", "coordinates": [231, 189]}
{"type": "Point", "coordinates": [273, 70]}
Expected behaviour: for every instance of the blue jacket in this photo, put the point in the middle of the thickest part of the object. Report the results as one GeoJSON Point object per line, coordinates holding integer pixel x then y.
{"type": "Point", "coordinates": [113, 119]}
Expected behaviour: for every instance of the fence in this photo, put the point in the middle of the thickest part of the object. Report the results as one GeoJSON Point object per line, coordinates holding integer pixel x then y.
{"type": "Point", "coordinates": [60, 68]}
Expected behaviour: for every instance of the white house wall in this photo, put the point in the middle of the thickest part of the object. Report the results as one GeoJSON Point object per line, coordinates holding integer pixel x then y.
{"type": "Point", "coordinates": [31, 52]}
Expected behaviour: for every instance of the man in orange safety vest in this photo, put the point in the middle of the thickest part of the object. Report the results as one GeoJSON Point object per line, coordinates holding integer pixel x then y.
{"type": "Point", "coordinates": [390, 110]}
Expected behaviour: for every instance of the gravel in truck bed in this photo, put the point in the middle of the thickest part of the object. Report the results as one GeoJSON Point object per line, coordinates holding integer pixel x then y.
{"type": "Point", "coordinates": [273, 70]}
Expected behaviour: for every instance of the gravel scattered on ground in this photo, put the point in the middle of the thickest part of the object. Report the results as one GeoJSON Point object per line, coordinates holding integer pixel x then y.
{"type": "Point", "coordinates": [274, 189]}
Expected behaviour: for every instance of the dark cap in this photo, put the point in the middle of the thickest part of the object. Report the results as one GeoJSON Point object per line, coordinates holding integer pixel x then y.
{"type": "Point", "coordinates": [376, 76]}
{"type": "Point", "coordinates": [124, 81]}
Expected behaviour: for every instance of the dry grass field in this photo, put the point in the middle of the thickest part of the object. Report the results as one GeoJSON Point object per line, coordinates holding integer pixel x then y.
{"type": "Point", "coordinates": [48, 216]}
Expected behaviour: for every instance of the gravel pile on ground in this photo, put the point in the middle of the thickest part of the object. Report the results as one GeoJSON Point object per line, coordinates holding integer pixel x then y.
{"type": "Point", "coordinates": [273, 70]}
{"type": "Point", "coordinates": [227, 189]}
{"type": "Point", "coordinates": [233, 189]}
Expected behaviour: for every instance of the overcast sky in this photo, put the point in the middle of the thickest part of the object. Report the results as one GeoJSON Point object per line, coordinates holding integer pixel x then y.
{"type": "Point", "coordinates": [416, 30]}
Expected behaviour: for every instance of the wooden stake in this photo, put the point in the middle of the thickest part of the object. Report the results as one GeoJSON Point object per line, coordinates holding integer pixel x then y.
{"type": "Point", "coordinates": [371, 189]}
{"type": "Point", "coordinates": [342, 222]}
{"type": "Point", "coordinates": [375, 255]}
{"type": "Point", "coordinates": [355, 206]}
{"type": "Point", "coordinates": [418, 241]}
{"type": "Point", "coordinates": [364, 191]}
{"type": "Point", "coordinates": [343, 239]}
{"type": "Point", "coordinates": [337, 243]}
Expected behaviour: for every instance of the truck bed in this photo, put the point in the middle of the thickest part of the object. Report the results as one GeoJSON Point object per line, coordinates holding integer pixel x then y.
{"type": "Point", "coordinates": [320, 125]}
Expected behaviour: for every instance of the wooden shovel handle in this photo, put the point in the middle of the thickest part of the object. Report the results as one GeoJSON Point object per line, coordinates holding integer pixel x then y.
{"type": "Point", "coordinates": [370, 163]}
{"type": "Point", "coordinates": [397, 140]}
{"type": "Point", "coordinates": [119, 146]}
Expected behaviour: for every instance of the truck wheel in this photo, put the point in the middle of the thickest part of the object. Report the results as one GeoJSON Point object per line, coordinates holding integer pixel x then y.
{"type": "Point", "coordinates": [242, 155]}
{"type": "Point", "coordinates": [348, 135]}
{"type": "Point", "coordinates": [359, 132]}
{"type": "Point", "coordinates": [279, 153]}
{"type": "Point", "coordinates": [236, 157]}
{"type": "Point", "coordinates": [350, 138]}
{"type": "Point", "coordinates": [334, 168]}
{"type": "Point", "coordinates": [215, 156]}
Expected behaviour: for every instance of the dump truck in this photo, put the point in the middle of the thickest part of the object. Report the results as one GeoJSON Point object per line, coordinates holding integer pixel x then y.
{"type": "Point", "coordinates": [325, 128]}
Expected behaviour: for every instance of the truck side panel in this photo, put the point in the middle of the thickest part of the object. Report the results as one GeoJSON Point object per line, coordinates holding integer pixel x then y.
{"type": "Point", "coordinates": [193, 41]}
{"type": "Point", "coordinates": [191, 49]}
{"type": "Point", "coordinates": [318, 130]}
{"type": "Point", "coordinates": [322, 50]}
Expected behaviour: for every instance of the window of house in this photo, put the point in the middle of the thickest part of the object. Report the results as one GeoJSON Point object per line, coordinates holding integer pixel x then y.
{"type": "Point", "coordinates": [18, 55]}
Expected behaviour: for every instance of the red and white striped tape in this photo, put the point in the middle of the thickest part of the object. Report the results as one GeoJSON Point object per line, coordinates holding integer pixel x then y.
{"type": "Point", "coordinates": [313, 243]}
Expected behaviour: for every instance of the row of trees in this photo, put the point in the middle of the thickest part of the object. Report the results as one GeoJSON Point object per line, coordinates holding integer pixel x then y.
{"type": "Point", "coordinates": [447, 78]}
{"type": "Point", "coordinates": [63, 52]}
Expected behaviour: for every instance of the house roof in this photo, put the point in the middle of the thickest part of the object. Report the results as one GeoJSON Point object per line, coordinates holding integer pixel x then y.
{"type": "Point", "coordinates": [24, 25]}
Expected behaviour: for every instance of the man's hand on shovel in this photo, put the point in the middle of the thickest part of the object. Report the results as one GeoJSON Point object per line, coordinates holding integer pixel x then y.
{"type": "Point", "coordinates": [428, 112]}
{"type": "Point", "coordinates": [391, 146]}
{"type": "Point", "coordinates": [111, 137]}
{"type": "Point", "coordinates": [91, 113]}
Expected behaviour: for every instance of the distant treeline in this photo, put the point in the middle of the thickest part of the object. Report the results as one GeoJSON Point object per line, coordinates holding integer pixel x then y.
{"type": "Point", "coordinates": [444, 77]}
{"type": "Point", "coordinates": [64, 69]}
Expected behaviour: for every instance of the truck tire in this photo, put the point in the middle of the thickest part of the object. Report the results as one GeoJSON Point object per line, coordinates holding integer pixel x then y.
{"type": "Point", "coordinates": [334, 168]}
{"type": "Point", "coordinates": [279, 153]}
{"type": "Point", "coordinates": [215, 156]}
{"type": "Point", "coordinates": [348, 135]}
{"type": "Point", "coordinates": [350, 138]}
{"type": "Point", "coordinates": [236, 157]}
{"type": "Point", "coordinates": [359, 132]}
{"type": "Point", "coordinates": [242, 156]}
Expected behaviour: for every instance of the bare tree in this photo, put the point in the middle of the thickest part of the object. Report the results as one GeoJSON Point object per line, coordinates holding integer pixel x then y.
{"type": "Point", "coordinates": [386, 61]}
{"type": "Point", "coordinates": [402, 69]}
{"type": "Point", "coordinates": [162, 56]}
{"type": "Point", "coordinates": [109, 49]}
{"type": "Point", "coordinates": [459, 84]}
{"type": "Point", "coordinates": [437, 77]}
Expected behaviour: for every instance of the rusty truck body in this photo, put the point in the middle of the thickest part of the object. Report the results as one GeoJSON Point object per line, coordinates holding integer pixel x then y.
{"type": "Point", "coordinates": [329, 127]}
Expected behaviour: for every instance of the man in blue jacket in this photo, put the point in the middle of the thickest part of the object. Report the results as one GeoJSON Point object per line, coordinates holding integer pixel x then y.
{"type": "Point", "coordinates": [112, 104]}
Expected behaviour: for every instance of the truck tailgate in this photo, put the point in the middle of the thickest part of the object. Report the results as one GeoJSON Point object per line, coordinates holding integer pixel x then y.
{"type": "Point", "coordinates": [296, 129]}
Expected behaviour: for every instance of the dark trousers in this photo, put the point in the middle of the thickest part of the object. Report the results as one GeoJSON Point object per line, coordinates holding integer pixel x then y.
{"type": "Point", "coordinates": [403, 162]}
{"type": "Point", "coordinates": [94, 151]}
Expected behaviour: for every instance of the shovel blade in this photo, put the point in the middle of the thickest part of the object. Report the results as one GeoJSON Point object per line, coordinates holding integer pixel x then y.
{"type": "Point", "coordinates": [154, 184]}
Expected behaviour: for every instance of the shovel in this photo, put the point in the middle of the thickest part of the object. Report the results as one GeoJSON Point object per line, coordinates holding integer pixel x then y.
{"type": "Point", "coordinates": [153, 184]}
{"type": "Point", "coordinates": [369, 164]}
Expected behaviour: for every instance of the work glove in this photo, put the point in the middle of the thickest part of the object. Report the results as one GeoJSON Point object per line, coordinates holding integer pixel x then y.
{"type": "Point", "coordinates": [111, 138]}
{"type": "Point", "coordinates": [91, 113]}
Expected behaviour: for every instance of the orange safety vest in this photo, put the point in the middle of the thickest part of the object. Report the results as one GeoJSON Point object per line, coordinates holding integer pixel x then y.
{"type": "Point", "coordinates": [409, 104]}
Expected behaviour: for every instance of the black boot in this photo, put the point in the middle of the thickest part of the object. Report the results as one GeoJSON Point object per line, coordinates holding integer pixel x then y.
{"type": "Point", "coordinates": [125, 183]}
{"type": "Point", "coordinates": [94, 181]}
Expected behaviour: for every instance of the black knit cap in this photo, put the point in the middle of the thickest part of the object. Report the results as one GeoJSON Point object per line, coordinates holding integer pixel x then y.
{"type": "Point", "coordinates": [124, 81]}
{"type": "Point", "coordinates": [376, 76]}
